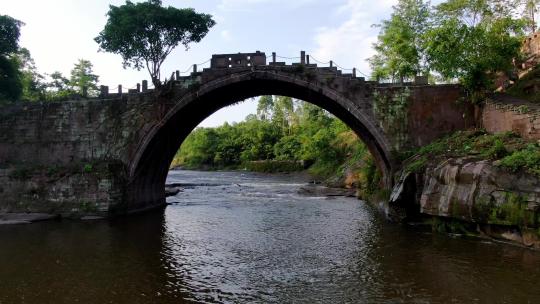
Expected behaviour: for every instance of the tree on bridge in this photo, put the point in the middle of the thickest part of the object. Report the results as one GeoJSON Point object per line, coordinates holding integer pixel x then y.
{"type": "Point", "coordinates": [82, 78]}
{"type": "Point", "coordinates": [473, 42]}
{"type": "Point", "coordinates": [144, 34]}
{"type": "Point", "coordinates": [399, 48]}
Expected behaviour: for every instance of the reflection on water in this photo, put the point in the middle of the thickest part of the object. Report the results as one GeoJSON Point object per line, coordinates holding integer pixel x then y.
{"type": "Point", "coordinates": [251, 238]}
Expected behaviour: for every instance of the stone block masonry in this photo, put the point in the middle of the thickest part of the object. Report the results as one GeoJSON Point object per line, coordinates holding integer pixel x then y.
{"type": "Point", "coordinates": [521, 119]}
{"type": "Point", "coordinates": [111, 155]}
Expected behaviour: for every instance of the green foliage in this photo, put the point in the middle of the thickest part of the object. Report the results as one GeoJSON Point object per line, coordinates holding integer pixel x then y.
{"type": "Point", "coordinates": [471, 42]}
{"type": "Point", "coordinates": [283, 136]}
{"type": "Point", "coordinates": [498, 150]}
{"type": "Point", "coordinates": [371, 177]}
{"type": "Point", "coordinates": [10, 77]}
{"type": "Point", "coordinates": [507, 149]}
{"type": "Point", "coordinates": [453, 226]}
{"type": "Point", "coordinates": [32, 82]}
{"type": "Point", "coordinates": [399, 52]}
{"type": "Point", "coordinates": [145, 33]}
{"type": "Point", "coordinates": [59, 88]}
{"type": "Point", "coordinates": [9, 35]}
{"type": "Point", "coordinates": [20, 80]}
{"type": "Point", "coordinates": [10, 80]}
{"type": "Point", "coordinates": [527, 158]}
{"type": "Point", "coordinates": [417, 165]}
{"type": "Point", "coordinates": [513, 212]}
{"type": "Point", "coordinates": [264, 107]}
{"type": "Point", "coordinates": [83, 80]}
{"type": "Point", "coordinates": [467, 40]}
{"type": "Point", "coordinates": [287, 148]}
{"type": "Point", "coordinates": [88, 168]}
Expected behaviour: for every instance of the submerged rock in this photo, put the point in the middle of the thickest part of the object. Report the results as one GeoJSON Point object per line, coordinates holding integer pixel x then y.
{"type": "Point", "coordinates": [316, 190]}
{"type": "Point", "coordinates": [24, 218]}
{"type": "Point", "coordinates": [172, 190]}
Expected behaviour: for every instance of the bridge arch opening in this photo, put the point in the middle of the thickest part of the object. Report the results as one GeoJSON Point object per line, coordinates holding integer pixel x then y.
{"type": "Point", "coordinates": [150, 165]}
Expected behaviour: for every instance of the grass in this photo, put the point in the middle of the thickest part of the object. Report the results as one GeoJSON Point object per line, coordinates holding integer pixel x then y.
{"type": "Point", "coordinates": [508, 150]}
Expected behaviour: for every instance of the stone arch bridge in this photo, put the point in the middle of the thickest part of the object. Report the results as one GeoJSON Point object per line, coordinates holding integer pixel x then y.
{"type": "Point", "coordinates": [110, 155]}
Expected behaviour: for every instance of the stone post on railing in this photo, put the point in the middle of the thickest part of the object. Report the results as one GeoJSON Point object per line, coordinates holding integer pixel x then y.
{"type": "Point", "coordinates": [194, 68]}
{"type": "Point", "coordinates": [307, 59]}
{"type": "Point", "coordinates": [354, 72]}
{"type": "Point", "coordinates": [103, 91]}
{"type": "Point", "coordinates": [274, 57]}
{"type": "Point", "coordinates": [303, 57]}
{"type": "Point", "coordinates": [138, 87]}
{"type": "Point", "coordinates": [145, 85]}
{"type": "Point", "coordinates": [331, 63]}
{"type": "Point", "coordinates": [119, 89]}
{"type": "Point", "coordinates": [177, 75]}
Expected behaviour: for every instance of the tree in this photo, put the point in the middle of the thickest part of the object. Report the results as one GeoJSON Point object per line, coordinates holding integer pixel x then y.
{"type": "Point", "coordinates": [283, 113]}
{"type": "Point", "coordinates": [58, 82]}
{"type": "Point", "coordinates": [471, 43]}
{"type": "Point", "coordinates": [399, 46]}
{"type": "Point", "coordinates": [10, 80]}
{"type": "Point", "coordinates": [9, 34]}
{"type": "Point", "coordinates": [265, 106]}
{"type": "Point", "coordinates": [530, 8]}
{"type": "Point", "coordinates": [10, 77]}
{"type": "Point", "coordinates": [32, 82]}
{"type": "Point", "coordinates": [58, 88]}
{"type": "Point", "coordinates": [82, 78]}
{"type": "Point", "coordinates": [144, 34]}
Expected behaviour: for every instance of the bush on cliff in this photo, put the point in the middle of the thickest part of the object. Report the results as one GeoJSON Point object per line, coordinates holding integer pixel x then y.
{"type": "Point", "coordinates": [508, 150]}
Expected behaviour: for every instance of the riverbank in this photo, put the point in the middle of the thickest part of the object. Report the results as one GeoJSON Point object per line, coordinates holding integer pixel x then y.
{"type": "Point", "coordinates": [473, 183]}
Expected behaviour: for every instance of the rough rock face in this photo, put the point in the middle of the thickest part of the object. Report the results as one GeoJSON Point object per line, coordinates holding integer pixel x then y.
{"type": "Point", "coordinates": [478, 191]}
{"type": "Point", "coordinates": [503, 204]}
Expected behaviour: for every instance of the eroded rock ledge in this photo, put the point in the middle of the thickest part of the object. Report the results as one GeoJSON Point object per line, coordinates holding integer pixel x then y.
{"type": "Point", "coordinates": [472, 196]}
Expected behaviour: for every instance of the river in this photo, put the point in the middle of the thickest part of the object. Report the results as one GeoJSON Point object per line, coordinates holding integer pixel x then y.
{"type": "Point", "coordinates": [234, 237]}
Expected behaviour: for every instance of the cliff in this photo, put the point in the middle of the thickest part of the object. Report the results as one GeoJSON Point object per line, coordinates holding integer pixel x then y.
{"type": "Point", "coordinates": [470, 193]}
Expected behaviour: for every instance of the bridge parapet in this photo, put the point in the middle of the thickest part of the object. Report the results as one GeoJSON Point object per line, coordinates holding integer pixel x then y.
{"type": "Point", "coordinates": [223, 61]}
{"type": "Point", "coordinates": [223, 64]}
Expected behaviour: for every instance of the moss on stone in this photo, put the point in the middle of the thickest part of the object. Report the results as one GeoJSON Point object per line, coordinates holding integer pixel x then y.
{"type": "Point", "coordinates": [391, 108]}
{"type": "Point", "coordinates": [453, 226]}
{"type": "Point", "coordinates": [417, 165]}
{"type": "Point", "coordinates": [513, 212]}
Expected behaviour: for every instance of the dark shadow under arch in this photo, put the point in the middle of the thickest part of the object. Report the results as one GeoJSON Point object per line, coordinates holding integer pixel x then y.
{"type": "Point", "coordinates": [148, 170]}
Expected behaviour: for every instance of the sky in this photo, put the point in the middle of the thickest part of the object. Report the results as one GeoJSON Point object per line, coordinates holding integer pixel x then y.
{"type": "Point", "coordinates": [59, 32]}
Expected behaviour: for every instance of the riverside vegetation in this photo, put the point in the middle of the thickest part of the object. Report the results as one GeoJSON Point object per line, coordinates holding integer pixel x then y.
{"type": "Point", "coordinates": [285, 135]}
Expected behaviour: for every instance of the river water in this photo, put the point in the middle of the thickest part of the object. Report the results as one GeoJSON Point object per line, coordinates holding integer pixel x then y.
{"type": "Point", "coordinates": [233, 237]}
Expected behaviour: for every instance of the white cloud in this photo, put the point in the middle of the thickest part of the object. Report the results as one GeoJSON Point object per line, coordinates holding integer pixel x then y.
{"type": "Point", "coordinates": [246, 5]}
{"type": "Point", "coordinates": [350, 43]}
{"type": "Point", "coordinates": [226, 35]}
